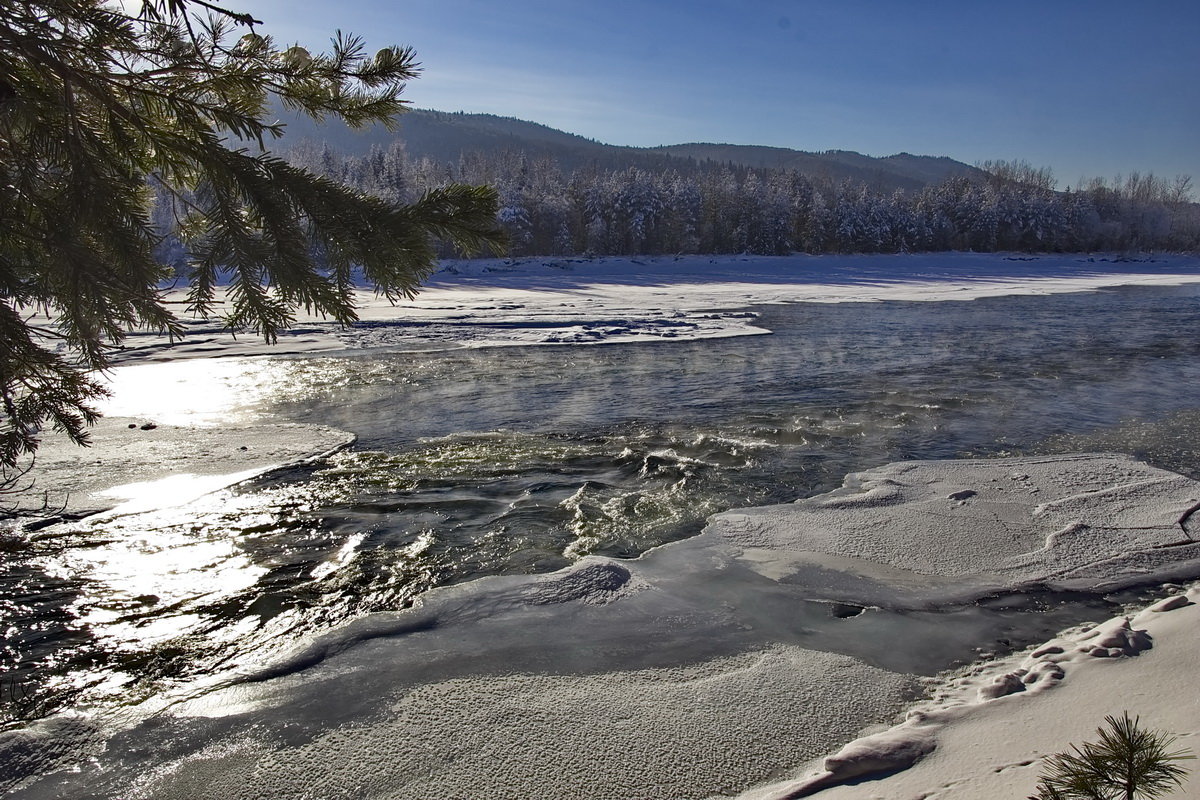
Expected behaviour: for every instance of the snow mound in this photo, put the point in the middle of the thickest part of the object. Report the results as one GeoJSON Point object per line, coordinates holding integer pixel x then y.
{"type": "Point", "coordinates": [961, 696]}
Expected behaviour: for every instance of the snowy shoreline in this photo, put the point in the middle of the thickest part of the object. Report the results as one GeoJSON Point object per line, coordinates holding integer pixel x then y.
{"type": "Point", "coordinates": [987, 728]}
{"type": "Point", "coordinates": [112, 475]}
{"type": "Point", "coordinates": [571, 301]}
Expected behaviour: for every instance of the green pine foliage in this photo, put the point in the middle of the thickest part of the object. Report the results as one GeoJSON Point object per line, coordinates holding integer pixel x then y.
{"type": "Point", "coordinates": [97, 104]}
{"type": "Point", "coordinates": [1127, 763]}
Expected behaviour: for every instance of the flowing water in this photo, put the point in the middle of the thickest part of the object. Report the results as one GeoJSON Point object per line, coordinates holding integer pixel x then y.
{"type": "Point", "coordinates": [522, 459]}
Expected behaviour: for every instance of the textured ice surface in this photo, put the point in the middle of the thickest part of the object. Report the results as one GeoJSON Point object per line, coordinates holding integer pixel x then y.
{"type": "Point", "coordinates": [683, 732]}
{"type": "Point", "coordinates": [144, 465]}
{"type": "Point", "coordinates": [703, 667]}
{"type": "Point", "coordinates": [1066, 521]}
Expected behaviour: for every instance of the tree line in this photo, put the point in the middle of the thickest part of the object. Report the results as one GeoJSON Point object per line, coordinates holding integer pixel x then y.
{"type": "Point", "coordinates": [710, 208]}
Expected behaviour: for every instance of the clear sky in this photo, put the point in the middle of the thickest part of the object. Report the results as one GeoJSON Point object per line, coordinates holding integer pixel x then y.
{"type": "Point", "coordinates": [1085, 87]}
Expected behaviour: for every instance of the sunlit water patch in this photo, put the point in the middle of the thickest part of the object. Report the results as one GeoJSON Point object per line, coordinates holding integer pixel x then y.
{"type": "Point", "coordinates": [109, 604]}
{"type": "Point", "coordinates": [519, 460]}
{"type": "Point", "coordinates": [222, 391]}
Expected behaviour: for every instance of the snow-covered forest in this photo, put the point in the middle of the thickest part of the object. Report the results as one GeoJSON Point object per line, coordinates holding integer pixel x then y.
{"type": "Point", "coordinates": [705, 207]}
{"type": "Point", "coordinates": [713, 208]}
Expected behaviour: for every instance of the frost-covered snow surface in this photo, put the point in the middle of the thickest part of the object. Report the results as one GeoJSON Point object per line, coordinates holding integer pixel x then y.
{"type": "Point", "coordinates": [987, 732]}
{"type": "Point", "coordinates": [690, 672]}
{"type": "Point", "coordinates": [606, 300]}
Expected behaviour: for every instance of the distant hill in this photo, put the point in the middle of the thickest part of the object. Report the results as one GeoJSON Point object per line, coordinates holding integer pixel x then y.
{"type": "Point", "coordinates": [902, 170]}
{"type": "Point", "coordinates": [444, 137]}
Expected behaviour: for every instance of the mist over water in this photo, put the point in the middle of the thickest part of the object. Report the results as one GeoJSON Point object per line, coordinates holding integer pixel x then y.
{"type": "Point", "coordinates": [517, 460]}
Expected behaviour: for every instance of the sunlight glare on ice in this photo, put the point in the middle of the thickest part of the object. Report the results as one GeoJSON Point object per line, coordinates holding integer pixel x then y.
{"type": "Point", "coordinates": [210, 391]}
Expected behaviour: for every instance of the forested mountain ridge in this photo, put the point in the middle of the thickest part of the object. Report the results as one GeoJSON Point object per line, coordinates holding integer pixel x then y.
{"type": "Point", "coordinates": [561, 194]}
{"type": "Point", "coordinates": [900, 171]}
{"type": "Point", "coordinates": [446, 137]}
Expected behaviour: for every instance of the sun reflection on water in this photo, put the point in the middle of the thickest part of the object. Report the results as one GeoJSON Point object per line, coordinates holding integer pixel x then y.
{"type": "Point", "coordinates": [211, 391]}
{"type": "Point", "coordinates": [172, 490]}
{"type": "Point", "coordinates": [150, 569]}
{"type": "Point", "coordinates": [164, 593]}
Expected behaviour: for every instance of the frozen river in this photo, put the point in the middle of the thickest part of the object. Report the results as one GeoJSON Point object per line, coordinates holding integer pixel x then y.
{"type": "Point", "coordinates": [523, 459]}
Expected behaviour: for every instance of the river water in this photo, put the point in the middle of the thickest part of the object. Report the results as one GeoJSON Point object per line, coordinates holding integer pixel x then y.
{"type": "Point", "coordinates": [522, 459]}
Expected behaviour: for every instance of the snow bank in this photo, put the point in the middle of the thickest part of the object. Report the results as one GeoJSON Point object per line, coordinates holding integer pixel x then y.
{"type": "Point", "coordinates": [987, 732]}
{"type": "Point", "coordinates": [1067, 522]}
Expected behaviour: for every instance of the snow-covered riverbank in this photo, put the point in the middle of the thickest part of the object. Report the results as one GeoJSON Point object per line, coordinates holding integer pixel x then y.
{"type": "Point", "coordinates": [988, 731]}
{"type": "Point", "coordinates": [134, 465]}
{"type": "Point", "coordinates": [607, 300]}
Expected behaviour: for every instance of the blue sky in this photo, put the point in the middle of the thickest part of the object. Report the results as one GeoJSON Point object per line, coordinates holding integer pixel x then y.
{"type": "Point", "coordinates": [1086, 88]}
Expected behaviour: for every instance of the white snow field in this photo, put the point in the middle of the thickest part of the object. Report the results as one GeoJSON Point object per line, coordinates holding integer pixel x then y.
{"type": "Point", "coordinates": [980, 748]}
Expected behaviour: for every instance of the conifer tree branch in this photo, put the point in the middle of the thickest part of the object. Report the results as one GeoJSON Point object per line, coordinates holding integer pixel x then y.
{"type": "Point", "coordinates": [93, 102]}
